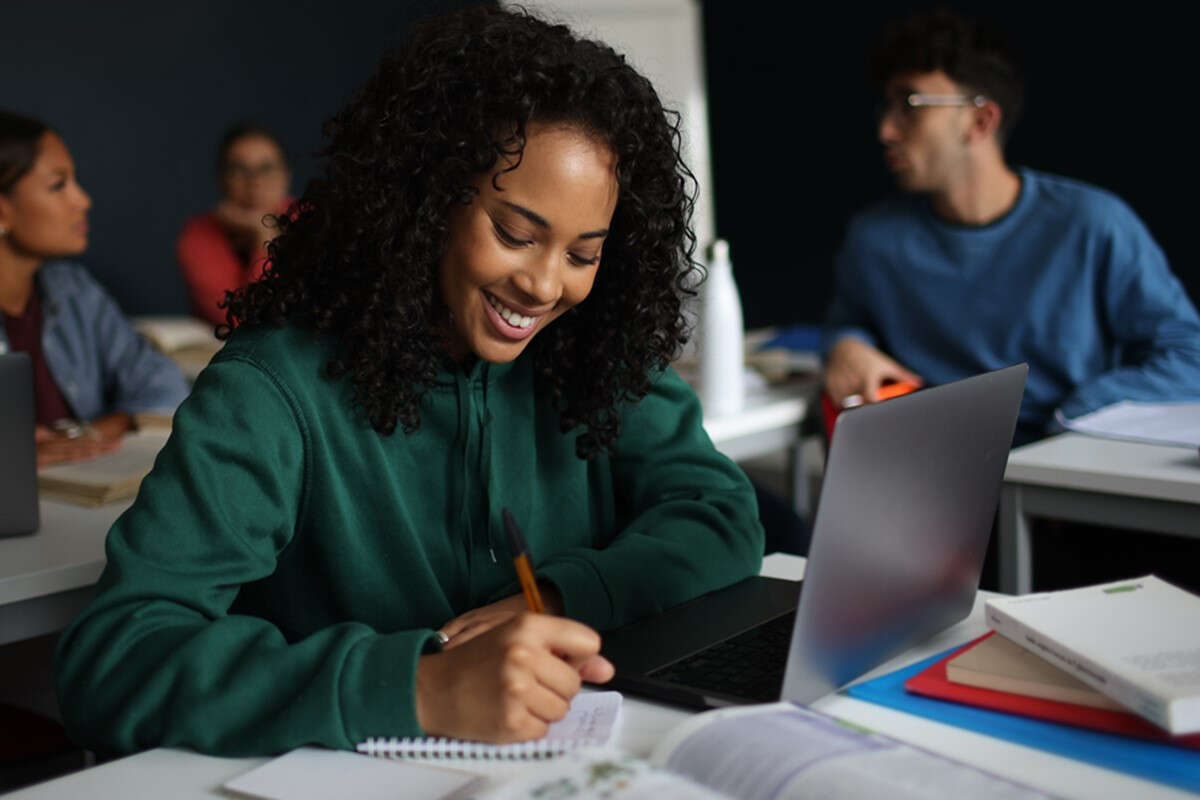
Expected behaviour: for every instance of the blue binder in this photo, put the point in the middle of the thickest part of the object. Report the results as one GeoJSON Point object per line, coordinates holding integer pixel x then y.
{"type": "Point", "coordinates": [1155, 761]}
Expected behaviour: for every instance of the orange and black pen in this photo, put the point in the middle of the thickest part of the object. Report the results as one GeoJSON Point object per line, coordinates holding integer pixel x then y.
{"type": "Point", "coordinates": [520, 554]}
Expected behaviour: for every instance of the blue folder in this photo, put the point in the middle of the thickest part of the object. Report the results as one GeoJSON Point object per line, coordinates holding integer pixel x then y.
{"type": "Point", "coordinates": [800, 338]}
{"type": "Point", "coordinates": [1165, 763]}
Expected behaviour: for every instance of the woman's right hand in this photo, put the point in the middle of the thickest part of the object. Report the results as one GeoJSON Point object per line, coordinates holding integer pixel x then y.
{"type": "Point", "coordinates": [509, 684]}
{"type": "Point", "coordinates": [54, 448]}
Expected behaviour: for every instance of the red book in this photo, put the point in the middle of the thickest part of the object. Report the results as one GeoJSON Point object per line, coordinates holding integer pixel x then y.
{"type": "Point", "coordinates": [932, 682]}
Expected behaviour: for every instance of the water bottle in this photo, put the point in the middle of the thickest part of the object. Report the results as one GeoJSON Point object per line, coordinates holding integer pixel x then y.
{"type": "Point", "coordinates": [722, 383]}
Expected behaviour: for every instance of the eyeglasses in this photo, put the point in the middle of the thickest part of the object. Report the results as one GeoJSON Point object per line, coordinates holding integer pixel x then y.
{"type": "Point", "coordinates": [905, 106]}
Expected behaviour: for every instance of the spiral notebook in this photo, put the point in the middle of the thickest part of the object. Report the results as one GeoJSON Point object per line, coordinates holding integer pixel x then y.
{"type": "Point", "coordinates": [591, 722]}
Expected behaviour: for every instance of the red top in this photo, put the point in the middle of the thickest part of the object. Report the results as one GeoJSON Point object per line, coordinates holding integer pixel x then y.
{"type": "Point", "coordinates": [211, 265]}
{"type": "Point", "coordinates": [25, 336]}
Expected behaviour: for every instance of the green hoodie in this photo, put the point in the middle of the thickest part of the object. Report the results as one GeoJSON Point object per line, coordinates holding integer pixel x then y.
{"type": "Point", "coordinates": [284, 566]}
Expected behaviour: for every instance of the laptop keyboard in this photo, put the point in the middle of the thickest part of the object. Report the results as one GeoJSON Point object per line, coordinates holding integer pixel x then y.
{"type": "Point", "coordinates": [749, 665]}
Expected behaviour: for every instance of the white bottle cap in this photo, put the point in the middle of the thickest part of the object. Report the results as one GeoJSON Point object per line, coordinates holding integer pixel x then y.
{"type": "Point", "coordinates": [720, 250]}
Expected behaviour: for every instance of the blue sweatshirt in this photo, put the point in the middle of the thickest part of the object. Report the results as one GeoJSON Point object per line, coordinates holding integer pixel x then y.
{"type": "Point", "coordinates": [1069, 280]}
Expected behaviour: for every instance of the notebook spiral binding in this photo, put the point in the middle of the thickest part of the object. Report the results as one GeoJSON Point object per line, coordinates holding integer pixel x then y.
{"type": "Point", "coordinates": [439, 748]}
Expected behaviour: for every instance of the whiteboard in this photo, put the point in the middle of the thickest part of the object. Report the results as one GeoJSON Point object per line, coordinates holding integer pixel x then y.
{"type": "Point", "coordinates": [663, 40]}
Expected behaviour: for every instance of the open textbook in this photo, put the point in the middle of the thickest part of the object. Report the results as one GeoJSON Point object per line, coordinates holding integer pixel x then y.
{"type": "Point", "coordinates": [189, 342]}
{"type": "Point", "coordinates": [778, 751]}
{"type": "Point", "coordinates": [107, 478]}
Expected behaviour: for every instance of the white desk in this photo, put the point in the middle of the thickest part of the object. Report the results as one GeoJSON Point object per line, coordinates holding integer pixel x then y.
{"type": "Point", "coordinates": [47, 578]}
{"type": "Point", "coordinates": [772, 420]}
{"type": "Point", "coordinates": [1087, 479]}
{"type": "Point", "coordinates": [188, 776]}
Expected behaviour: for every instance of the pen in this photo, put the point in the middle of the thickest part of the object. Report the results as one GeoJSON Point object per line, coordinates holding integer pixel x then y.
{"type": "Point", "coordinates": [520, 554]}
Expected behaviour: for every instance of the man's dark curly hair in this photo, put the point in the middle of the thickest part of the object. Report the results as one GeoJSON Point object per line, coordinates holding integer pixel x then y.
{"type": "Point", "coordinates": [359, 252]}
{"type": "Point", "coordinates": [973, 54]}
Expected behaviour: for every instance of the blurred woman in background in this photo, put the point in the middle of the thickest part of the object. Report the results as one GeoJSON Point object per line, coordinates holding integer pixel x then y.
{"type": "Point", "coordinates": [226, 248]}
{"type": "Point", "coordinates": [92, 371]}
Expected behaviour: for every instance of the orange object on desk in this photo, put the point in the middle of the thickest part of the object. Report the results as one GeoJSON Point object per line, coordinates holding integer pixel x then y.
{"type": "Point", "coordinates": [887, 391]}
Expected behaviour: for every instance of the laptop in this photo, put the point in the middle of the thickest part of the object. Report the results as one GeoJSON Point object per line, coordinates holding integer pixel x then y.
{"type": "Point", "coordinates": [910, 490]}
{"type": "Point", "coordinates": [18, 467]}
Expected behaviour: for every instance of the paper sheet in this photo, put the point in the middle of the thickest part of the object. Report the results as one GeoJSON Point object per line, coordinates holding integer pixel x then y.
{"type": "Point", "coordinates": [314, 774]}
{"type": "Point", "coordinates": [1158, 423]}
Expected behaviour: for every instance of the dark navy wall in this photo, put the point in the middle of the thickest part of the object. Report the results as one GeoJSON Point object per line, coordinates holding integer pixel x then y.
{"type": "Point", "coordinates": [142, 91]}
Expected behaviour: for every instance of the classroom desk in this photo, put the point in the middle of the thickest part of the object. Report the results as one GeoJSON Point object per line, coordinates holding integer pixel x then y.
{"type": "Point", "coordinates": [185, 775]}
{"type": "Point", "coordinates": [1145, 487]}
{"type": "Point", "coordinates": [773, 419]}
{"type": "Point", "coordinates": [48, 577]}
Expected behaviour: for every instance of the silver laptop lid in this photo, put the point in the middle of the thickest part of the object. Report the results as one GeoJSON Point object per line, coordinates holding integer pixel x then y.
{"type": "Point", "coordinates": [910, 491]}
{"type": "Point", "coordinates": [18, 451]}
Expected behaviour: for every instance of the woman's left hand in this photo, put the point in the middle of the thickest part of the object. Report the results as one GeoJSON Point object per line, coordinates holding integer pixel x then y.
{"type": "Point", "coordinates": [480, 620]}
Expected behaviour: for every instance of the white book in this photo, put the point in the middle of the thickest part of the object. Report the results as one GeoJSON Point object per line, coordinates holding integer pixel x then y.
{"type": "Point", "coordinates": [1137, 641]}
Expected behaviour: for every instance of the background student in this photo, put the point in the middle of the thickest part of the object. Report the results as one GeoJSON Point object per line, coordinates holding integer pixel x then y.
{"type": "Point", "coordinates": [225, 248]}
{"type": "Point", "coordinates": [92, 371]}
{"type": "Point", "coordinates": [473, 310]}
{"type": "Point", "coordinates": [978, 264]}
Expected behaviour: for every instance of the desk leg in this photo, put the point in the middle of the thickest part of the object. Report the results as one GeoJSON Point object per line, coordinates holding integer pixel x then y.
{"type": "Point", "coordinates": [798, 479]}
{"type": "Point", "coordinates": [1016, 544]}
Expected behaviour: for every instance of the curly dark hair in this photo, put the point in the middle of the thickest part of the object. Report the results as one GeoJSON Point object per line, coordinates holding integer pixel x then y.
{"type": "Point", "coordinates": [972, 53]}
{"type": "Point", "coordinates": [358, 254]}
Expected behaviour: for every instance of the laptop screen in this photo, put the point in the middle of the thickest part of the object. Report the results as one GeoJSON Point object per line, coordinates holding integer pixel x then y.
{"type": "Point", "coordinates": [18, 466]}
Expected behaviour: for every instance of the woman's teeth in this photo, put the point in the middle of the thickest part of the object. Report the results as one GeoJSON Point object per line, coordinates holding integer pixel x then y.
{"type": "Point", "coordinates": [510, 316]}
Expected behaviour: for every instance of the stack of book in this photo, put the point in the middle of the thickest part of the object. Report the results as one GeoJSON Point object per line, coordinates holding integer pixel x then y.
{"type": "Point", "coordinates": [1121, 657]}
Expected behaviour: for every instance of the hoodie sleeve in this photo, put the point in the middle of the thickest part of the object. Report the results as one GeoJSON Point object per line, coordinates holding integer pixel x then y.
{"type": "Point", "coordinates": [692, 523]}
{"type": "Point", "coordinates": [159, 659]}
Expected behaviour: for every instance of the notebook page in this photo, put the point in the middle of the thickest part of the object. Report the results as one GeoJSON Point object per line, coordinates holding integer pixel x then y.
{"type": "Point", "coordinates": [314, 774]}
{"type": "Point", "coordinates": [780, 750]}
{"type": "Point", "coordinates": [591, 721]}
{"type": "Point", "coordinates": [131, 461]}
{"type": "Point", "coordinates": [1157, 423]}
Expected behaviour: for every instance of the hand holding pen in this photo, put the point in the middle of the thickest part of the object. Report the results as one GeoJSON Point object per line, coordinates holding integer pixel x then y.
{"type": "Point", "coordinates": [505, 673]}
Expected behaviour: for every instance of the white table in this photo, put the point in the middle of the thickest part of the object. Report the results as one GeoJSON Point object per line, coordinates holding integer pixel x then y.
{"type": "Point", "coordinates": [1145, 487]}
{"type": "Point", "coordinates": [189, 776]}
{"type": "Point", "coordinates": [46, 578]}
{"type": "Point", "coordinates": [772, 420]}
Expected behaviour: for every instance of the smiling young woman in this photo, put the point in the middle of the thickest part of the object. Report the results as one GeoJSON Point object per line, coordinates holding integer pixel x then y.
{"type": "Point", "coordinates": [472, 310]}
